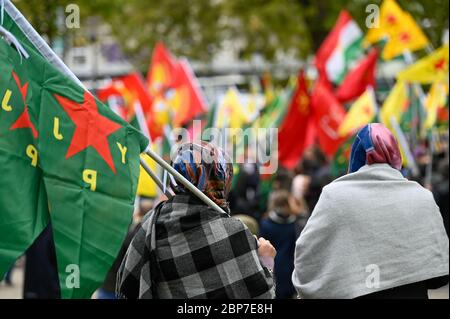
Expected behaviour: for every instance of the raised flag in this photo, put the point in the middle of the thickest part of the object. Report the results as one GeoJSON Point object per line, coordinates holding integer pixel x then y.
{"type": "Point", "coordinates": [66, 158]}
{"type": "Point", "coordinates": [409, 37]}
{"type": "Point", "coordinates": [293, 137]}
{"type": "Point", "coordinates": [395, 104]}
{"type": "Point", "coordinates": [357, 80]}
{"type": "Point", "coordinates": [340, 50]}
{"type": "Point", "coordinates": [328, 116]}
{"type": "Point", "coordinates": [432, 68]}
{"type": "Point", "coordinates": [435, 100]}
{"type": "Point", "coordinates": [230, 112]}
{"type": "Point", "coordinates": [160, 81]}
{"type": "Point", "coordinates": [362, 112]}
{"type": "Point", "coordinates": [186, 100]}
{"type": "Point", "coordinates": [391, 15]}
{"type": "Point", "coordinates": [272, 114]}
{"type": "Point", "coordinates": [399, 29]}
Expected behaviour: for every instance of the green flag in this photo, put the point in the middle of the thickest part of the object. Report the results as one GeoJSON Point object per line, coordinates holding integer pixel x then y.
{"type": "Point", "coordinates": [67, 158]}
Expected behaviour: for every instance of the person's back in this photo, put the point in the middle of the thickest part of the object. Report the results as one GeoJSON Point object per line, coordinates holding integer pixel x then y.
{"type": "Point", "coordinates": [282, 235]}
{"type": "Point", "coordinates": [281, 228]}
{"type": "Point", "coordinates": [202, 254]}
{"type": "Point", "coordinates": [185, 249]}
{"type": "Point", "coordinates": [372, 230]}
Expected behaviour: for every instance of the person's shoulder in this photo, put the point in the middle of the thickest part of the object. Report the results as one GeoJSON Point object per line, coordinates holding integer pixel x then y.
{"type": "Point", "coordinates": [234, 223]}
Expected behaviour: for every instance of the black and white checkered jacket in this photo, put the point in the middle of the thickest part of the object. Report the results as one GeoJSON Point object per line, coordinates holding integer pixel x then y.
{"type": "Point", "coordinates": [185, 249]}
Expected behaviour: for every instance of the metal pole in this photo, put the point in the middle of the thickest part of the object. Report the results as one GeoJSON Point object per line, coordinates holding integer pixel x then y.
{"type": "Point", "coordinates": [184, 181]}
{"type": "Point", "coordinates": [155, 178]}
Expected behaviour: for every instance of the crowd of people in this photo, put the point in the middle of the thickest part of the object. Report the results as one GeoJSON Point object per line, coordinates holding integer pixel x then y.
{"type": "Point", "coordinates": [300, 233]}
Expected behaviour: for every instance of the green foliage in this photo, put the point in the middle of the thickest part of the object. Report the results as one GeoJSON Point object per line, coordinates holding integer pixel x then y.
{"type": "Point", "coordinates": [199, 28]}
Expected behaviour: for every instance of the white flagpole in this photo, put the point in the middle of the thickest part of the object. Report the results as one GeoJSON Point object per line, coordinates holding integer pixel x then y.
{"type": "Point", "coordinates": [43, 48]}
{"type": "Point", "coordinates": [37, 41]}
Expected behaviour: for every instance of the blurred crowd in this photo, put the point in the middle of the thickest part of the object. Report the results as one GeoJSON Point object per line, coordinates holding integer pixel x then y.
{"type": "Point", "coordinates": [274, 207]}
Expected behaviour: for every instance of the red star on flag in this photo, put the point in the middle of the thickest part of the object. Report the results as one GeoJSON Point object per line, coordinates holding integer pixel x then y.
{"type": "Point", "coordinates": [405, 37]}
{"type": "Point", "coordinates": [23, 121]}
{"type": "Point", "coordinates": [91, 128]}
{"type": "Point", "coordinates": [440, 65]}
{"type": "Point", "coordinates": [391, 19]}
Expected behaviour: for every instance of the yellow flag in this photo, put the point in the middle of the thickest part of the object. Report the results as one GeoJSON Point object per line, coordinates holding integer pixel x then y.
{"type": "Point", "coordinates": [395, 105]}
{"type": "Point", "coordinates": [146, 186]}
{"type": "Point", "coordinates": [399, 28]}
{"type": "Point", "coordinates": [432, 68]}
{"type": "Point", "coordinates": [361, 113]}
{"type": "Point", "coordinates": [231, 111]}
{"type": "Point", "coordinates": [436, 98]}
{"type": "Point", "coordinates": [390, 20]}
{"type": "Point", "coordinates": [409, 37]}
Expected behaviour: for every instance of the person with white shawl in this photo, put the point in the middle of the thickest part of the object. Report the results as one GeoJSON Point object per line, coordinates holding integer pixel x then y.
{"type": "Point", "coordinates": [372, 233]}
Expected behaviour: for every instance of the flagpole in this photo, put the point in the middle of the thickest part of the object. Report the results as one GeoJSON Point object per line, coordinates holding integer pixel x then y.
{"type": "Point", "coordinates": [404, 144]}
{"type": "Point", "coordinates": [154, 177]}
{"type": "Point", "coordinates": [421, 96]}
{"type": "Point", "coordinates": [50, 56]}
{"type": "Point", "coordinates": [184, 181]}
{"type": "Point", "coordinates": [37, 41]}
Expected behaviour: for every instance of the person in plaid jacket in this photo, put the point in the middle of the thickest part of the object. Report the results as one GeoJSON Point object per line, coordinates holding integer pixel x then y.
{"type": "Point", "coordinates": [185, 249]}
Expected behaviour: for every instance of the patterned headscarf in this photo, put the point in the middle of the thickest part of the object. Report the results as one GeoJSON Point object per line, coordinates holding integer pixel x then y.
{"type": "Point", "coordinates": [207, 167]}
{"type": "Point", "coordinates": [373, 144]}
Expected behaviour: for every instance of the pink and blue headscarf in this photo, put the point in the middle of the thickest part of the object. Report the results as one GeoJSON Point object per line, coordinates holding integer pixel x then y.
{"type": "Point", "coordinates": [374, 144]}
{"type": "Point", "coordinates": [206, 166]}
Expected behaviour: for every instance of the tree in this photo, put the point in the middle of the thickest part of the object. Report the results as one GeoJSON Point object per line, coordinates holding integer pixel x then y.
{"type": "Point", "coordinates": [197, 29]}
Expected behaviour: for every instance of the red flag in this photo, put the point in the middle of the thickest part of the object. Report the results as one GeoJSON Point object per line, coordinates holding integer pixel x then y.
{"type": "Point", "coordinates": [328, 115]}
{"type": "Point", "coordinates": [187, 102]}
{"type": "Point", "coordinates": [113, 96]}
{"type": "Point", "coordinates": [296, 133]}
{"type": "Point", "coordinates": [160, 72]}
{"type": "Point", "coordinates": [173, 89]}
{"type": "Point", "coordinates": [357, 80]}
{"type": "Point", "coordinates": [127, 91]}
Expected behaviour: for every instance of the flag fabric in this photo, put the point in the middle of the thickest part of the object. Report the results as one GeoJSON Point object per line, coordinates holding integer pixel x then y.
{"type": "Point", "coordinates": [340, 50]}
{"type": "Point", "coordinates": [328, 116]}
{"type": "Point", "coordinates": [146, 185]}
{"type": "Point", "coordinates": [159, 81]}
{"type": "Point", "coordinates": [399, 29]}
{"type": "Point", "coordinates": [435, 100]}
{"type": "Point", "coordinates": [126, 93]}
{"type": "Point", "coordinates": [66, 158]}
{"type": "Point", "coordinates": [395, 104]}
{"type": "Point", "coordinates": [272, 114]}
{"type": "Point", "coordinates": [340, 161]}
{"type": "Point", "coordinates": [293, 133]}
{"type": "Point", "coordinates": [230, 112]}
{"type": "Point", "coordinates": [362, 112]}
{"type": "Point", "coordinates": [390, 19]}
{"type": "Point", "coordinates": [432, 68]}
{"type": "Point", "coordinates": [186, 100]}
{"type": "Point", "coordinates": [357, 80]}
{"type": "Point", "coordinates": [176, 94]}
{"type": "Point", "coordinates": [410, 37]}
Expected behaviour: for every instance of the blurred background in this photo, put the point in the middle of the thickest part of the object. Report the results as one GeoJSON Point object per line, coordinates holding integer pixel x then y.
{"type": "Point", "coordinates": [255, 63]}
